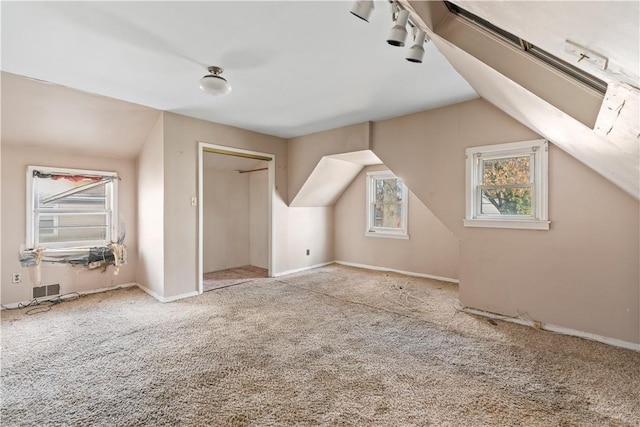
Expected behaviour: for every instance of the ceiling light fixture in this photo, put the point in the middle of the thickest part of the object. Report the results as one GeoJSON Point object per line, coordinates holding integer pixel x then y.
{"type": "Point", "coordinates": [362, 9]}
{"type": "Point", "coordinates": [214, 83]}
{"type": "Point", "coordinates": [398, 33]}
{"type": "Point", "coordinates": [416, 52]}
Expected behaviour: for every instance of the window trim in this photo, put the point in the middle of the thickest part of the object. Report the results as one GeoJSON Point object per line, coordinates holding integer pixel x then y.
{"type": "Point", "coordinates": [112, 214]}
{"type": "Point", "coordinates": [386, 232]}
{"type": "Point", "coordinates": [538, 149]}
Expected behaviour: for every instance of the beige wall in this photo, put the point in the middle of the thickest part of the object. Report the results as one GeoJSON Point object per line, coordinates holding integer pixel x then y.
{"type": "Point", "coordinates": [305, 152]}
{"type": "Point", "coordinates": [431, 249]}
{"type": "Point", "coordinates": [71, 279]}
{"type": "Point", "coordinates": [310, 228]}
{"type": "Point", "coordinates": [581, 274]}
{"type": "Point", "coordinates": [225, 205]}
{"type": "Point", "coordinates": [150, 202]}
{"type": "Point", "coordinates": [258, 219]}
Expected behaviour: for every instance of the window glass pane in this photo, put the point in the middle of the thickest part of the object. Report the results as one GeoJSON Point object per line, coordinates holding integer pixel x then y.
{"type": "Point", "coordinates": [72, 228]}
{"type": "Point", "coordinates": [387, 215]}
{"type": "Point", "coordinates": [48, 192]}
{"type": "Point", "coordinates": [507, 171]}
{"type": "Point", "coordinates": [388, 190]}
{"type": "Point", "coordinates": [387, 208]}
{"type": "Point", "coordinates": [506, 201]}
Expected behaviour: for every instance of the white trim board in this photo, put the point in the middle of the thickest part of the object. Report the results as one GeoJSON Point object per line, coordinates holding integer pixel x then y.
{"type": "Point", "coordinates": [557, 329]}
{"type": "Point", "coordinates": [89, 292]}
{"type": "Point", "coordinates": [298, 270]}
{"type": "Point", "coordinates": [168, 299]}
{"type": "Point", "coordinates": [406, 273]}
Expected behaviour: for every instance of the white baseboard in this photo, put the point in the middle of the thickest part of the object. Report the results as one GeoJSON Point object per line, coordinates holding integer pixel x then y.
{"type": "Point", "coordinates": [298, 270]}
{"type": "Point", "coordinates": [53, 297]}
{"type": "Point", "coordinates": [168, 299]}
{"type": "Point", "coordinates": [558, 329]}
{"type": "Point", "coordinates": [406, 273]}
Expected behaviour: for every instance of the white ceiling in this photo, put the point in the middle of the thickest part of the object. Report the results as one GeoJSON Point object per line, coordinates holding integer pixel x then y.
{"type": "Point", "coordinates": [296, 67]}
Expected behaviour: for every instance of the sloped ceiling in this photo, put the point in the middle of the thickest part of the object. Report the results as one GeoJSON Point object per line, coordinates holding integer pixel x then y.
{"type": "Point", "coordinates": [331, 177]}
{"type": "Point", "coordinates": [37, 114]}
{"type": "Point", "coordinates": [609, 28]}
{"type": "Point", "coordinates": [615, 156]}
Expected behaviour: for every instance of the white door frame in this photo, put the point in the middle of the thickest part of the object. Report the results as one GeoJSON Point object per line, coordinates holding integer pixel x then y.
{"type": "Point", "coordinates": [204, 147]}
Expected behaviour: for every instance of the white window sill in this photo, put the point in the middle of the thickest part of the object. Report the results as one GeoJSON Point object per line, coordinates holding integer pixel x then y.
{"type": "Point", "coordinates": [386, 235]}
{"type": "Point", "coordinates": [525, 224]}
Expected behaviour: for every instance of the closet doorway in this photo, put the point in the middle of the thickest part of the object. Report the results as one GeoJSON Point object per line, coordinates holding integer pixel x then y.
{"type": "Point", "coordinates": [235, 216]}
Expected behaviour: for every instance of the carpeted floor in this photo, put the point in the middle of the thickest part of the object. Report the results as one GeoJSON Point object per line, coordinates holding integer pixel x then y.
{"type": "Point", "coordinates": [232, 276]}
{"type": "Point", "coordinates": [333, 346]}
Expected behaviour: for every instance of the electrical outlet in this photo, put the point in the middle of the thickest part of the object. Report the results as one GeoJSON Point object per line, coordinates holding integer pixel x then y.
{"type": "Point", "coordinates": [16, 278]}
{"type": "Point", "coordinates": [537, 324]}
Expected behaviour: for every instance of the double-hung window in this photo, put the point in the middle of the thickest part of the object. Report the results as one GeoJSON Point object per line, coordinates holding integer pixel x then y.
{"type": "Point", "coordinates": [70, 208]}
{"type": "Point", "coordinates": [387, 205]}
{"type": "Point", "coordinates": [506, 185]}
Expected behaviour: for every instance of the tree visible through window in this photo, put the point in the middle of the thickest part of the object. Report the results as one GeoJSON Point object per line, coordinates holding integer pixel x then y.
{"type": "Point", "coordinates": [507, 185]}
{"type": "Point", "coordinates": [387, 205]}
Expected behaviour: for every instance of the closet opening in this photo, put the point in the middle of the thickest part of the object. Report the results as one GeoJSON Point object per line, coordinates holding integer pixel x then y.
{"type": "Point", "coordinates": [235, 216]}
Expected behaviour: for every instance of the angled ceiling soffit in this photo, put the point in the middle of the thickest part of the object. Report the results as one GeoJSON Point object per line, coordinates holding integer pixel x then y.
{"type": "Point", "coordinates": [331, 177]}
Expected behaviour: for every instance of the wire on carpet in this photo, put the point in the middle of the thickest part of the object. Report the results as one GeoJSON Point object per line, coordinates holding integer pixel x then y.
{"type": "Point", "coordinates": [43, 306]}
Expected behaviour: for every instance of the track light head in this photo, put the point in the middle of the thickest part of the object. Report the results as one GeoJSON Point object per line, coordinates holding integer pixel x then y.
{"type": "Point", "coordinates": [416, 52]}
{"type": "Point", "coordinates": [214, 83]}
{"type": "Point", "coordinates": [398, 33]}
{"type": "Point", "coordinates": [362, 9]}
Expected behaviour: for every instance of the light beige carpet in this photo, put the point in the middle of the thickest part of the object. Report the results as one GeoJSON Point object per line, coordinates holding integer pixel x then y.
{"type": "Point", "coordinates": [232, 276]}
{"type": "Point", "coordinates": [334, 346]}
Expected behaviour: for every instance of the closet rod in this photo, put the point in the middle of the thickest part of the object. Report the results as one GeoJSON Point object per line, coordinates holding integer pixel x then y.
{"type": "Point", "coordinates": [253, 170]}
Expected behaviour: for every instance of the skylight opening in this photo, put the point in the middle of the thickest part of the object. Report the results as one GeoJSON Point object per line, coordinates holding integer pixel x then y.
{"type": "Point", "coordinates": [544, 56]}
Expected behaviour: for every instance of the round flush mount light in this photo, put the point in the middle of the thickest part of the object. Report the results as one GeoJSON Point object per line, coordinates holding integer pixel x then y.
{"type": "Point", "coordinates": [213, 83]}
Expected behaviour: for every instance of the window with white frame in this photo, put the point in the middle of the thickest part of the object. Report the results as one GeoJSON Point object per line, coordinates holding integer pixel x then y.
{"type": "Point", "coordinates": [387, 205]}
{"type": "Point", "coordinates": [506, 185]}
{"type": "Point", "coordinates": [70, 208]}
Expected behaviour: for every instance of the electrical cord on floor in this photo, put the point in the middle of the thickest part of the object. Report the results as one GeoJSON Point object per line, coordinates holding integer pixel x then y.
{"type": "Point", "coordinates": [406, 294]}
{"type": "Point", "coordinates": [43, 306]}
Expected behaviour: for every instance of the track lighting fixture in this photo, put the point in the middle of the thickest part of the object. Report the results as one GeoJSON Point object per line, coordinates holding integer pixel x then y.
{"type": "Point", "coordinates": [398, 32]}
{"type": "Point", "coordinates": [400, 16]}
{"type": "Point", "coordinates": [214, 83]}
{"type": "Point", "coordinates": [362, 9]}
{"type": "Point", "coordinates": [416, 52]}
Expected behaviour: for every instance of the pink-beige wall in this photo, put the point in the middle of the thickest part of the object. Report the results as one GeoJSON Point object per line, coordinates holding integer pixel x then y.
{"type": "Point", "coordinates": [258, 220]}
{"type": "Point", "coordinates": [226, 230]}
{"type": "Point", "coordinates": [431, 249]}
{"type": "Point", "coordinates": [150, 202]}
{"type": "Point", "coordinates": [582, 274]}
{"type": "Point", "coordinates": [15, 160]}
{"type": "Point", "coordinates": [312, 229]}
